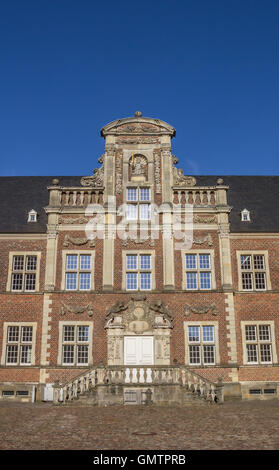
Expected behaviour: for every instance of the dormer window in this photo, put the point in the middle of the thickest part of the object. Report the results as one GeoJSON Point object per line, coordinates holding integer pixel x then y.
{"type": "Point", "coordinates": [245, 215]}
{"type": "Point", "coordinates": [32, 216]}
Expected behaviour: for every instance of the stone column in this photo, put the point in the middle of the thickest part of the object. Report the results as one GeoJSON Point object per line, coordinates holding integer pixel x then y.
{"type": "Point", "coordinates": [109, 195]}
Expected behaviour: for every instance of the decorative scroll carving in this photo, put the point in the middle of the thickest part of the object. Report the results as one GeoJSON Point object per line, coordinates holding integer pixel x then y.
{"type": "Point", "coordinates": [138, 241]}
{"type": "Point", "coordinates": [72, 220]}
{"type": "Point", "coordinates": [96, 180]}
{"type": "Point", "coordinates": [157, 172]}
{"type": "Point", "coordinates": [201, 309]}
{"type": "Point", "coordinates": [118, 177]}
{"type": "Point", "coordinates": [76, 309]}
{"type": "Point", "coordinates": [136, 129]}
{"type": "Point", "coordinates": [78, 241]}
{"type": "Point", "coordinates": [182, 180]}
{"type": "Point", "coordinates": [138, 140]}
{"type": "Point", "coordinates": [209, 219]}
{"type": "Point", "coordinates": [199, 241]}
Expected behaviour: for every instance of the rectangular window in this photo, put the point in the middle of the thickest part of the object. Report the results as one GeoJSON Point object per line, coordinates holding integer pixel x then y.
{"type": "Point", "coordinates": [258, 344]}
{"type": "Point", "coordinates": [201, 353]}
{"type": "Point", "coordinates": [137, 204]}
{"type": "Point", "coordinates": [198, 271]}
{"type": "Point", "coordinates": [138, 272]}
{"type": "Point", "coordinates": [75, 347]}
{"type": "Point", "coordinates": [24, 273]}
{"type": "Point", "coordinates": [253, 272]}
{"type": "Point", "coordinates": [19, 345]}
{"type": "Point", "coordinates": [78, 272]}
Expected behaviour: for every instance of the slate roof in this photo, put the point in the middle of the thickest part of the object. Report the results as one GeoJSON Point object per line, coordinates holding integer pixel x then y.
{"type": "Point", "coordinates": [258, 194]}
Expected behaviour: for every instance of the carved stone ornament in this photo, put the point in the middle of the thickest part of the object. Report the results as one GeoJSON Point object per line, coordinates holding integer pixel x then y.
{"type": "Point", "coordinates": [137, 140]}
{"type": "Point", "coordinates": [138, 316]}
{"type": "Point", "coordinates": [96, 180]}
{"type": "Point", "coordinates": [208, 219]}
{"type": "Point", "coordinates": [182, 180]}
{"type": "Point", "coordinates": [72, 220]}
{"type": "Point", "coordinates": [118, 176]}
{"type": "Point", "coordinates": [200, 241]}
{"type": "Point", "coordinates": [157, 173]}
{"type": "Point", "coordinates": [138, 241]}
{"type": "Point", "coordinates": [76, 309]}
{"type": "Point", "coordinates": [201, 309]}
{"type": "Point", "coordinates": [78, 241]}
{"type": "Point", "coordinates": [138, 165]}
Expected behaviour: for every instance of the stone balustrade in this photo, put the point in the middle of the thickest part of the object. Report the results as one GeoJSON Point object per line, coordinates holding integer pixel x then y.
{"type": "Point", "coordinates": [196, 197]}
{"type": "Point", "coordinates": [136, 375]}
{"type": "Point", "coordinates": [80, 197]}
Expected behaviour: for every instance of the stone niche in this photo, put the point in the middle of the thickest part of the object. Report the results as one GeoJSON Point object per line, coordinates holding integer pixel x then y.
{"type": "Point", "coordinates": [137, 318]}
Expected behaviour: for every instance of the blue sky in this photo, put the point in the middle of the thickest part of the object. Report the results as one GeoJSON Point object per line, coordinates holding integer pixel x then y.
{"type": "Point", "coordinates": [208, 67]}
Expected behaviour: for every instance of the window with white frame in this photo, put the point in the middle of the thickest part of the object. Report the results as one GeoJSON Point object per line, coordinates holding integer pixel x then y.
{"type": "Point", "coordinates": [258, 343]}
{"type": "Point", "coordinates": [201, 344]}
{"type": "Point", "coordinates": [253, 271]}
{"type": "Point", "coordinates": [24, 272]}
{"type": "Point", "coordinates": [78, 271]}
{"type": "Point", "coordinates": [245, 215]}
{"type": "Point", "coordinates": [32, 216]}
{"type": "Point", "coordinates": [198, 271]}
{"type": "Point", "coordinates": [75, 345]}
{"type": "Point", "coordinates": [19, 345]}
{"type": "Point", "coordinates": [138, 205]}
{"type": "Point", "coordinates": [138, 271]}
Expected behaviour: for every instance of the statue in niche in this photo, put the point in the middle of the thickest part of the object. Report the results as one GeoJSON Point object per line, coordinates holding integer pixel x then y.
{"type": "Point", "coordinates": [138, 165]}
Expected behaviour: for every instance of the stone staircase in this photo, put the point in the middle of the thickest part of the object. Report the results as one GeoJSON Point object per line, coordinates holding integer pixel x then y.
{"type": "Point", "coordinates": [138, 385]}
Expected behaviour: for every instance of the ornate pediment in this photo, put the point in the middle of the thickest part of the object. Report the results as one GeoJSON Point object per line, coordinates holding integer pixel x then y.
{"type": "Point", "coordinates": [137, 125]}
{"type": "Point", "coordinates": [138, 316]}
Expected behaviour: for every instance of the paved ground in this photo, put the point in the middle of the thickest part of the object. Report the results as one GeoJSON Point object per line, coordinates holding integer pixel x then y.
{"type": "Point", "coordinates": [246, 425]}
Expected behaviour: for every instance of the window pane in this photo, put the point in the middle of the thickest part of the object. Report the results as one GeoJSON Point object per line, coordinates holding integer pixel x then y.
{"type": "Point", "coordinates": [85, 281]}
{"type": "Point", "coordinates": [131, 281]}
{"type": "Point", "coordinates": [31, 263]}
{"type": "Point", "coordinates": [144, 211]}
{"type": "Point", "coordinates": [265, 350]}
{"type": "Point", "coordinates": [208, 333]}
{"type": "Point", "coordinates": [11, 356]}
{"type": "Point", "coordinates": [17, 281]}
{"type": "Point", "coordinates": [252, 353]}
{"type": "Point", "coordinates": [204, 261]}
{"type": "Point", "coordinates": [208, 355]}
{"type": "Point", "coordinates": [145, 261]}
{"type": "Point", "coordinates": [194, 355]}
{"type": "Point", "coordinates": [132, 194]}
{"type": "Point", "coordinates": [191, 280]}
{"type": "Point", "coordinates": [25, 354]}
{"type": "Point", "coordinates": [68, 354]}
{"type": "Point", "coordinates": [144, 194]}
{"type": "Point", "coordinates": [194, 333]}
{"type": "Point", "coordinates": [131, 212]}
{"type": "Point", "coordinates": [260, 281]}
{"type": "Point", "coordinates": [18, 263]}
{"type": "Point", "coordinates": [71, 281]}
{"type": "Point", "coordinates": [83, 333]}
{"type": "Point", "coordinates": [71, 262]}
{"type": "Point", "coordinates": [247, 283]}
{"type": "Point", "coordinates": [30, 281]}
{"type": "Point", "coordinates": [13, 334]}
{"type": "Point", "coordinates": [26, 334]}
{"type": "Point", "coordinates": [191, 261]}
{"type": "Point", "coordinates": [245, 262]}
{"type": "Point", "coordinates": [264, 332]}
{"type": "Point", "coordinates": [251, 332]}
{"type": "Point", "coordinates": [69, 333]}
{"type": "Point", "coordinates": [85, 262]}
{"type": "Point", "coordinates": [205, 280]}
{"type": "Point", "coordinates": [145, 281]}
{"type": "Point", "coordinates": [82, 354]}
{"type": "Point", "coordinates": [259, 262]}
{"type": "Point", "coordinates": [131, 262]}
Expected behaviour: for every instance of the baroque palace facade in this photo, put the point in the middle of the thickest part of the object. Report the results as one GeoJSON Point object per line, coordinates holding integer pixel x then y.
{"type": "Point", "coordinates": [103, 312]}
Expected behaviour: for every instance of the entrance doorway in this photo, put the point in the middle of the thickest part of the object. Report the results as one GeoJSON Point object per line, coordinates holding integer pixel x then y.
{"type": "Point", "coordinates": [138, 351]}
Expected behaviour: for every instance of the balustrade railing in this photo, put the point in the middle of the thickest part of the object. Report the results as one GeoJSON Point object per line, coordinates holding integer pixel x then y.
{"type": "Point", "coordinates": [132, 375]}
{"type": "Point", "coordinates": [80, 197]}
{"type": "Point", "coordinates": [197, 197]}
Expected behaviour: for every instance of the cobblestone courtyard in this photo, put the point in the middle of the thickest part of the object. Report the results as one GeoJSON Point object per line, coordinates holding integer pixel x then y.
{"type": "Point", "coordinates": [246, 425]}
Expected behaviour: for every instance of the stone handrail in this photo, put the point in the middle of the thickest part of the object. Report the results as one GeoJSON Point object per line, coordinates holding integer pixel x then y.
{"type": "Point", "coordinates": [132, 375]}
{"type": "Point", "coordinates": [197, 196]}
{"type": "Point", "coordinates": [80, 197]}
